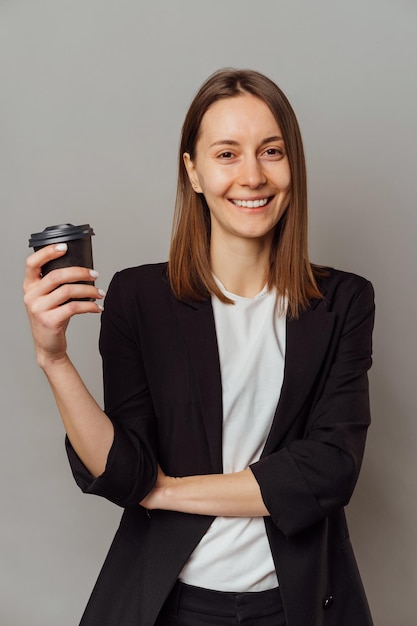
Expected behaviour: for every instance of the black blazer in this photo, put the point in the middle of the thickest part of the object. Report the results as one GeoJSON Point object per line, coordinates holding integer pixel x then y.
{"type": "Point", "coordinates": [163, 393]}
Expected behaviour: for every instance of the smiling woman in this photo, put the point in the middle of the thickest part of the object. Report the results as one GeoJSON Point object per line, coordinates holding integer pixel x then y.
{"type": "Point", "coordinates": [241, 144]}
{"type": "Point", "coordinates": [236, 392]}
{"type": "Point", "coordinates": [241, 168]}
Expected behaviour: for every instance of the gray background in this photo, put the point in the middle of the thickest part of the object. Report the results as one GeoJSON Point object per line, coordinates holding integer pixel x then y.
{"type": "Point", "coordinates": [93, 93]}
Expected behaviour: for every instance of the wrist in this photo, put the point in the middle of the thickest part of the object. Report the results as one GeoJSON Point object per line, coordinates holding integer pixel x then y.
{"type": "Point", "coordinates": [47, 362]}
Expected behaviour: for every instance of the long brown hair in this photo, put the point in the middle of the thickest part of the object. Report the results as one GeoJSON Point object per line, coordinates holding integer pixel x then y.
{"type": "Point", "coordinates": [189, 261]}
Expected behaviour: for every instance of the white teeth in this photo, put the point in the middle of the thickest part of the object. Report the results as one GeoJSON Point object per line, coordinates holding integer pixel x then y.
{"type": "Point", "coordinates": [250, 204]}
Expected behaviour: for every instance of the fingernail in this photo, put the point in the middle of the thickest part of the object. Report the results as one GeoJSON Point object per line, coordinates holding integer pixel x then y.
{"type": "Point", "coordinates": [100, 306]}
{"type": "Point", "coordinates": [93, 274]}
{"type": "Point", "coordinates": [101, 292]}
{"type": "Point", "coordinates": [60, 247]}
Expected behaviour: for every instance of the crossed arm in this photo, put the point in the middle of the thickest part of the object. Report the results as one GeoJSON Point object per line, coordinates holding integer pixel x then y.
{"type": "Point", "coordinates": [227, 495]}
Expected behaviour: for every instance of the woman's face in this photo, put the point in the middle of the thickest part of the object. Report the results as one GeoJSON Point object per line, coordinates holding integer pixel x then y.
{"type": "Point", "coordinates": [242, 169]}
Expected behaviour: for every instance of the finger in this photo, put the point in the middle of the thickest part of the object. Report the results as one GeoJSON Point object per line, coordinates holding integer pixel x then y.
{"type": "Point", "coordinates": [58, 317]}
{"type": "Point", "coordinates": [42, 286]}
{"type": "Point", "coordinates": [35, 261]}
{"type": "Point", "coordinates": [62, 275]}
{"type": "Point", "coordinates": [39, 301]}
{"type": "Point", "coordinates": [59, 286]}
{"type": "Point", "coordinates": [72, 291]}
{"type": "Point", "coordinates": [77, 307]}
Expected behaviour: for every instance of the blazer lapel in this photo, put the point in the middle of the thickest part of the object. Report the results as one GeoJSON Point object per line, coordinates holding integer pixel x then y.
{"type": "Point", "coordinates": [307, 342]}
{"type": "Point", "coordinates": [308, 339]}
{"type": "Point", "coordinates": [197, 323]}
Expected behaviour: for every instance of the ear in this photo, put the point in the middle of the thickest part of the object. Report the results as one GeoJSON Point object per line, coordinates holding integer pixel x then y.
{"type": "Point", "coordinates": [191, 171]}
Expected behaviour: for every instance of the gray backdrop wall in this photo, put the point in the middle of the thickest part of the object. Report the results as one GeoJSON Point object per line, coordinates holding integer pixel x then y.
{"type": "Point", "coordinates": [92, 100]}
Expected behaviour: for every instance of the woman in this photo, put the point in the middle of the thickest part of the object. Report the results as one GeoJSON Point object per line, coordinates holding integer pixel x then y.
{"type": "Point", "coordinates": [236, 394]}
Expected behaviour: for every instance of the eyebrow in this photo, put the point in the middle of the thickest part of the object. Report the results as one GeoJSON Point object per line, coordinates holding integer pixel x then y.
{"type": "Point", "coordinates": [231, 142]}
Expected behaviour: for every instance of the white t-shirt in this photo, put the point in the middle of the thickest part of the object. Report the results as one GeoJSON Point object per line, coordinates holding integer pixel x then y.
{"type": "Point", "coordinates": [234, 555]}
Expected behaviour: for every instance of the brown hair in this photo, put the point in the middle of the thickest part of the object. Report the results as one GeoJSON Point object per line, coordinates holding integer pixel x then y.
{"type": "Point", "coordinates": [189, 261]}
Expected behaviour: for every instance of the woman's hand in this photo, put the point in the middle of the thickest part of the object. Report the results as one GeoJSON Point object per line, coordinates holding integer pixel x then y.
{"type": "Point", "coordinates": [47, 301]}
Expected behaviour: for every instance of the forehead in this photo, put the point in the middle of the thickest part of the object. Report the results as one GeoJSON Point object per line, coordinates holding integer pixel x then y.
{"type": "Point", "coordinates": [241, 117]}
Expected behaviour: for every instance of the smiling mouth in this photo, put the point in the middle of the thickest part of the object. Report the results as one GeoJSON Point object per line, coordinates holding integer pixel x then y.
{"type": "Point", "coordinates": [251, 204]}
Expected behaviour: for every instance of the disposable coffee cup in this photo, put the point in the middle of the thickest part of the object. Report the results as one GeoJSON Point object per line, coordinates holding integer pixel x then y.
{"type": "Point", "coordinates": [78, 240]}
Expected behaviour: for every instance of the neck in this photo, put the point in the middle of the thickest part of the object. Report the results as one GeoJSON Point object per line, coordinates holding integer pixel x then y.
{"type": "Point", "coordinates": [241, 266]}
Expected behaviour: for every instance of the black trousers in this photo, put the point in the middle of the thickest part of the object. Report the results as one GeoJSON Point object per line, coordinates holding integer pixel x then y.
{"type": "Point", "coordinates": [193, 606]}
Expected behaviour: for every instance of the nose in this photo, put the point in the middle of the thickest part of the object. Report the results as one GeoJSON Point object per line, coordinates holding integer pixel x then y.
{"type": "Point", "coordinates": [252, 174]}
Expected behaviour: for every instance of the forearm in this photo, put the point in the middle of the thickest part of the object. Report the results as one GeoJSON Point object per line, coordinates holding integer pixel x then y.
{"type": "Point", "coordinates": [226, 495]}
{"type": "Point", "coordinates": [88, 428]}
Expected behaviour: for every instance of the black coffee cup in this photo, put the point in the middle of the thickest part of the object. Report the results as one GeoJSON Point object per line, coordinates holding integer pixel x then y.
{"type": "Point", "coordinates": [78, 240]}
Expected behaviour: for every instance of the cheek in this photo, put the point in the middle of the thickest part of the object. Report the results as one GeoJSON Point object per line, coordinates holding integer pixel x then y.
{"type": "Point", "coordinates": [286, 181]}
{"type": "Point", "coordinates": [213, 183]}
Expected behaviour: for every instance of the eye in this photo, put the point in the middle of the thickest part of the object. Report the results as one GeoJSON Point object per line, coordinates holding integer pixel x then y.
{"type": "Point", "coordinates": [274, 152]}
{"type": "Point", "coordinates": [226, 155]}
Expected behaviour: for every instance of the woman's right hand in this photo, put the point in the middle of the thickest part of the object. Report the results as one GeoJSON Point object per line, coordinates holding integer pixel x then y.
{"type": "Point", "coordinates": [47, 301]}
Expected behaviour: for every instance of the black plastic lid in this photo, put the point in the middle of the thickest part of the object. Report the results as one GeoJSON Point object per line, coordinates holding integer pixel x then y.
{"type": "Point", "coordinates": [60, 233]}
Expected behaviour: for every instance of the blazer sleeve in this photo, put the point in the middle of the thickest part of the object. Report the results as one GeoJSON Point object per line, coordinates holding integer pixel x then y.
{"type": "Point", "coordinates": [315, 475]}
{"type": "Point", "coordinates": [131, 467]}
